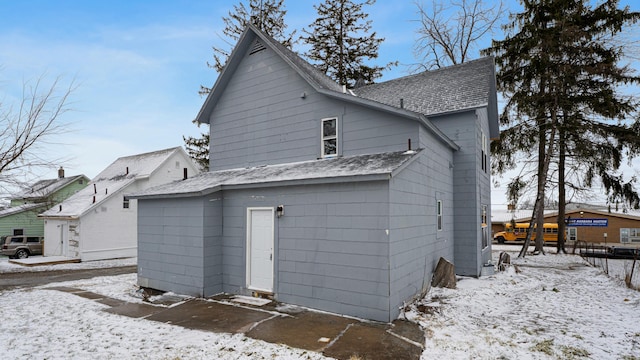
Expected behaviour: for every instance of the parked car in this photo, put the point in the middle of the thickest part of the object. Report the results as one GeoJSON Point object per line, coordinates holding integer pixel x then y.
{"type": "Point", "coordinates": [21, 246]}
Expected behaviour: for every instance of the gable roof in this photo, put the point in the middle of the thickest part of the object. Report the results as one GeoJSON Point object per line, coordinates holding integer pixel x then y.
{"type": "Point", "coordinates": [311, 74]}
{"type": "Point", "coordinates": [340, 169]}
{"type": "Point", "coordinates": [114, 178]}
{"type": "Point", "coordinates": [44, 188]}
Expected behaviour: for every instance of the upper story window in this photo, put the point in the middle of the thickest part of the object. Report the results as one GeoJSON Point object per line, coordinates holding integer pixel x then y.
{"type": "Point", "coordinates": [329, 137]}
{"type": "Point", "coordinates": [125, 202]}
{"type": "Point", "coordinates": [439, 214]}
{"type": "Point", "coordinates": [485, 152]}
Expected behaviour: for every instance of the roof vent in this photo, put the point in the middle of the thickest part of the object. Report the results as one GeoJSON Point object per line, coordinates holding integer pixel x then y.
{"type": "Point", "coordinates": [257, 47]}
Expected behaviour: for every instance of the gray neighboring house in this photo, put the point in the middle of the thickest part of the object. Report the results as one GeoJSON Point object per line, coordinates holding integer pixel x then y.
{"type": "Point", "coordinates": [334, 199]}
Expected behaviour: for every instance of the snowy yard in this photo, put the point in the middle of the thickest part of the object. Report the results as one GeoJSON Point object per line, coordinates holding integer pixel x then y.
{"type": "Point", "coordinates": [555, 307]}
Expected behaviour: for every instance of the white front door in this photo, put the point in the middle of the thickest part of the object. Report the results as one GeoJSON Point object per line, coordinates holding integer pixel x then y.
{"type": "Point", "coordinates": [260, 235]}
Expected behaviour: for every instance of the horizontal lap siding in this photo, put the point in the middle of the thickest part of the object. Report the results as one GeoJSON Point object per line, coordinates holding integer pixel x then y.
{"type": "Point", "coordinates": [471, 187]}
{"type": "Point", "coordinates": [415, 243]}
{"type": "Point", "coordinates": [366, 131]}
{"type": "Point", "coordinates": [170, 245]}
{"type": "Point", "coordinates": [331, 245]}
{"type": "Point", "coordinates": [261, 117]}
{"type": "Point", "coordinates": [212, 247]}
{"type": "Point", "coordinates": [26, 220]}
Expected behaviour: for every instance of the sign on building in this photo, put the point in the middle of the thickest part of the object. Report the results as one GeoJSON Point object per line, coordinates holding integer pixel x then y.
{"type": "Point", "coordinates": [587, 222]}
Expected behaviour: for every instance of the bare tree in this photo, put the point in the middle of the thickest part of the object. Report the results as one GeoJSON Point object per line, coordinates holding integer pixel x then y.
{"type": "Point", "coordinates": [448, 33]}
{"type": "Point", "coordinates": [26, 126]}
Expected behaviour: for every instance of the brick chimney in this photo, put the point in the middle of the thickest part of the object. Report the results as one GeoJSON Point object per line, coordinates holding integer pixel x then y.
{"type": "Point", "coordinates": [61, 173]}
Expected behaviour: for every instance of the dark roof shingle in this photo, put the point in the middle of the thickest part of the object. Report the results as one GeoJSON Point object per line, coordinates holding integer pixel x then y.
{"type": "Point", "coordinates": [340, 167]}
{"type": "Point", "coordinates": [454, 88]}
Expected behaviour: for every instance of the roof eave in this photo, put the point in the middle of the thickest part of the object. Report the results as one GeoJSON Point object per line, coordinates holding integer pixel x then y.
{"type": "Point", "coordinates": [225, 76]}
{"type": "Point", "coordinates": [269, 184]}
{"type": "Point", "coordinates": [312, 181]}
{"type": "Point", "coordinates": [203, 192]}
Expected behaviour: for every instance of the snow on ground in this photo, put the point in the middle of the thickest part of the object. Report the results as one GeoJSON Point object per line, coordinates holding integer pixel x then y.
{"type": "Point", "coordinates": [544, 307]}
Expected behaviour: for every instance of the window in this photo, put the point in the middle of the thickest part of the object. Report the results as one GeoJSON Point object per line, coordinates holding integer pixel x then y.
{"type": "Point", "coordinates": [329, 137]}
{"type": "Point", "coordinates": [628, 235]}
{"type": "Point", "coordinates": [33, 239]}
{"type": "Point", "coordinates": [484, 157]}
{"type": "Point", "coordinates": [125, 202]}
{"type": "Point", "coordinates": [17, 232]}
{"type": "Point", "coordinates": [439, 214]}
{"type": "Point", "coordinates": [483, 226]}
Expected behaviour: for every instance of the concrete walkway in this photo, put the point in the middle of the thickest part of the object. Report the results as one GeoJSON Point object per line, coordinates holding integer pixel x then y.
{"type": "Point", "coordinates": [334, 336]}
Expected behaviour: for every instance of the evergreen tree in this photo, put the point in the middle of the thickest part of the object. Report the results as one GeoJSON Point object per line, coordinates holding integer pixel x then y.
{"type": "Point", "coordinates": [560, 73]}
{"type": "Point", "coordinates": [268, 16]}
{"type": "Point", "coordinates": [198, 150]}
{"type": "Point", "coordinates": [340, 42]}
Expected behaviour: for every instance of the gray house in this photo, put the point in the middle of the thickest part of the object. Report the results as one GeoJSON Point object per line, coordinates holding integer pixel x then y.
{"type": "Point", "coordinates": [334, 199]}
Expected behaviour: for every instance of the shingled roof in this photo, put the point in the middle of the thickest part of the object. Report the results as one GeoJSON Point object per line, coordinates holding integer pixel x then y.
{"type": "Point", "coordinates": [455, 88]}
{"type": "Point", "coordinates": [340, 169]}
{"type": "Point", "coordinates": [117, 176]}
{"type": "Point", "coordinates": [45, 188]}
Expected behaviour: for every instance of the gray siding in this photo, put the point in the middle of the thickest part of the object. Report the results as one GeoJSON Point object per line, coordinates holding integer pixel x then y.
{"type": "Point", "coordinates": [331, 246]}
{"type": "Point", "coordinates": [415, 243]}
{"type": "Point", "coordinates": [212, 246]}
{"type": "Point", "coordinates": [170, 245]}
{"type": "Point", "coordinates": [471, 187]}
{"type": "Point", "coordinates": [484, 183]}
{"type": "Point", "coordinates": [261, 118]}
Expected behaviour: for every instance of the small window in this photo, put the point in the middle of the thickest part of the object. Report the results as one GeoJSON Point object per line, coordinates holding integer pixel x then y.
{"type": "Point", "coordinates": [80, 181]}
{"type": "Point", "coordinates": [485, 152]}
{"type": "Point", "coordinates": [439, 213]}
{"type": "Point", "coordinates": [329, 137]}
{"type": "Point", "coordinates": [18, 232]}
{"type": "Point", "coordinates": [33, 239]}
{"type": "Point", "coordinates": [125, 202]}
{"type": "Point", "coordinates": [483, 226]}
{"type": "Point", "coordinates": [16, 240]}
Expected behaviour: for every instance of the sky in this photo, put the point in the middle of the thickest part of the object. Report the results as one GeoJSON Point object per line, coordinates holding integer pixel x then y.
{"type": "Point", "coordinates": [541, 307]}
{"type": "Point", "coordinates": [136, 66]}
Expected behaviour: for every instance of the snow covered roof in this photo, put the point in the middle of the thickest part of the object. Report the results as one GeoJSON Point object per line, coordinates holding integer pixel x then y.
{"type": "Point", "coordinates": [20, 208]}
{"type": "Point", "coordinates": [44, 188]}
{"type": "Point", "coordinates": [350, 168]}
{"type": "Point", "coordinates": [115, 177]}
{"type": "Point", "coordinates": [505, 216]}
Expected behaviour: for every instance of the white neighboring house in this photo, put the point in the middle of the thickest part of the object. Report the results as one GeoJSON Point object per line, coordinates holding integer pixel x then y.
{"type": "Point", "coordinates": [100, 221]}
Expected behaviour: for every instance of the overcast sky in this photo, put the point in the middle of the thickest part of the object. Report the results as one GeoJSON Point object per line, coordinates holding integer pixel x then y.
{"type": "Point", "coordinates": [138, 65]}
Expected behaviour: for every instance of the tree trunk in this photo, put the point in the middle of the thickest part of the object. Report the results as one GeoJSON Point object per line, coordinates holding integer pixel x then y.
{"type": "Point", "coordinates": [542, 183]}
{"type": "Point", "coordinates": [561, 192]}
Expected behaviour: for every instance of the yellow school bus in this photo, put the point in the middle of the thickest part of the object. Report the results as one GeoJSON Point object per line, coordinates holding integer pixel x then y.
{"type": "Point", "coordinates": [519, 233]}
